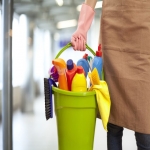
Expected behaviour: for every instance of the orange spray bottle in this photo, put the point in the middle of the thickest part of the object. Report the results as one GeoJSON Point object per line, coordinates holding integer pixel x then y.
{"type": "Point", "coordinates": [61, 69]}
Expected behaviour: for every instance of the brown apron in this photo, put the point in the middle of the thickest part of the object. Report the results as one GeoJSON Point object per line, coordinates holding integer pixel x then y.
{"type": "Point", "coordinates": [125, 38]}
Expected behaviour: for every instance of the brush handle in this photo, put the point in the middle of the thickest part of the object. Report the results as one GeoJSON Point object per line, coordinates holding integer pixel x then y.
{"type": "Point", "coordinates": [69, 45]}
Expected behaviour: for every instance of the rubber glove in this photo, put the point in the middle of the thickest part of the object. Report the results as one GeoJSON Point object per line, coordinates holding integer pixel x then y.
{"type": "Point", "coordinates": [79, 37]}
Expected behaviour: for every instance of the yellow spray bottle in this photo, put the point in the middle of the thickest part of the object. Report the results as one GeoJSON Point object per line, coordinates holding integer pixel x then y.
{"type": "Point", "coordinates": [61, 69]}
{"type": "Point", "coordinates": [79, 83]}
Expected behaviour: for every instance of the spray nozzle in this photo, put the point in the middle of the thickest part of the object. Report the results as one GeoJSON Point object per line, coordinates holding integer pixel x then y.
{"type": "Point", "coordinates": [53, 73]}
{"type": "Point", "coordinates": [99, 51]}
{"type": "Point", "coordinates": [60, 65]}
{"type": "Point", "coordinates": [85, 56]}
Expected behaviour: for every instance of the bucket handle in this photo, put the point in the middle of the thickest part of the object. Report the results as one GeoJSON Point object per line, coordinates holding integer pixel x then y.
{"type": "Point", "coordinates": [69, 45]}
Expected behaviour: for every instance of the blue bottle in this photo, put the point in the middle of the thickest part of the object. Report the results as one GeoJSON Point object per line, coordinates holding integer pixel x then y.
{"type": "Point", "coordinates": [98, 62]}
{"type": "Point", "coordinates": [84, 63]}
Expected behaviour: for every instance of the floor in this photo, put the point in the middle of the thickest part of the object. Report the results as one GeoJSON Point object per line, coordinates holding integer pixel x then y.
{"type": "Point", "coordinates": [33, 132]}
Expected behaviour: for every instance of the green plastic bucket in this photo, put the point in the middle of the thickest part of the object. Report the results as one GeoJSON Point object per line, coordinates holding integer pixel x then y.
{"type": "Point", "coordinates": [76, 118]}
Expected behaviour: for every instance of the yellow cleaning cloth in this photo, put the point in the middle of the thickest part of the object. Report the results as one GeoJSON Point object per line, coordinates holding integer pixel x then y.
{"type": "Point", "coordinates": [103, 101]}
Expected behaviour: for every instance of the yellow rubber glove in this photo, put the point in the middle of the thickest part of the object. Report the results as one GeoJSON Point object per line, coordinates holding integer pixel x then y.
{"type": "Point", "coordinates": [103, 101]}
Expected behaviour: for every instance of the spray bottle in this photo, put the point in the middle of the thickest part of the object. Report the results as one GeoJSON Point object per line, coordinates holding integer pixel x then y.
{"type": "Point", "coordinates": [98, 61]}
{"type": "Point", "coordinates": [53, 73]}
{"type": "Point", "coordinates": [71, 71]}
{"type": "Point", "coordinates": [84, 63]}
{"type": "Point", "coordinates": [61, 69]}
{"type": "Point", "coordinates": [79, 83]}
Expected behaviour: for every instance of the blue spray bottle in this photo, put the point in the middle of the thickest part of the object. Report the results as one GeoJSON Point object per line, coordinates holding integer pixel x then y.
{"type": "Point", "coordinates": [84, 63]}
{"type": "Point", "coordinates": [98, 62]}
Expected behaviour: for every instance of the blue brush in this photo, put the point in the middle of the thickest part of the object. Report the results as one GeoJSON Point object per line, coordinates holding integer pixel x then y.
{"type": "Point", "coordinates": [48, 83]}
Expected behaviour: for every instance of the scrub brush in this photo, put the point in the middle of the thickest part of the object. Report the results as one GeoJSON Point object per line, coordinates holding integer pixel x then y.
{"type": "Point", "coordinates": [94, 77]}
{"type": "Point", "coordinates": [48, 97]}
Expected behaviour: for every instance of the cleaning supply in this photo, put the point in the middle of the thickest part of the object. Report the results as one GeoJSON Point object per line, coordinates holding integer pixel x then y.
{"type": "Point", "coordinates": [85, 56]}
{"type": "Point", "coordinates": [48, 97]}
{"type": "Point", "coordinates": [94, 77]}
{"type": "Point", "coordinates": [102, 96]}
{"type": "Point", "coordinates": [75, 119]}
{"type": "Point", "coordinates": [84, 63]}
{"type": "Point", "coordinates": [61, 67]}
{"type": "Point", "coordinates": [53, 74]}
{"type": "Point", "coordinates": [90, 61]}
{"type": "Point", "coordinates": [71, 71]}
{"type": "Point", "coordinates": [76, 116]}
{"type": "Point", "coordinates": [79, 83]}
{"type": "Point", "coordinates": [98, 61]}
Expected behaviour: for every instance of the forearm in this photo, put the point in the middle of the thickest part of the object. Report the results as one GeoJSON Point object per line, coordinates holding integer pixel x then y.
{"type": "Point", "coordinates": [91, 3]}
{"type": "Point", "coordinates": [86, 16]}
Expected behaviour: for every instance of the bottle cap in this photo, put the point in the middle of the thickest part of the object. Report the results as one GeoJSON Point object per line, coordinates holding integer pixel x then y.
{"type": "Point", "coordinates": [99, 51]}
{"type": "Point", "coordinates": [70, 64]}
{"type": "Point", "coordinates": [85, 56]}
{"type": "Point", "coordinates": [80, 69]}
{"type": "Point", "coordinates": [99, 47]}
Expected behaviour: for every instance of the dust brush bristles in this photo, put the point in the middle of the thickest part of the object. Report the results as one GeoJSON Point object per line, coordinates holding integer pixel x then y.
{"type": "Point", "coordinates": [48, 99]}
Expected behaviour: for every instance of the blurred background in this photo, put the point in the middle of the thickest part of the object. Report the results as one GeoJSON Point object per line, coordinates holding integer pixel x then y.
{"type": "Point", "coordinates": [40, 28]}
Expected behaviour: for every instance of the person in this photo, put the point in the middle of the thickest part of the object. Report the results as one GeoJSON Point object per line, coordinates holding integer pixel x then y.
{"type": "Point", "coordinates": [125, 40]}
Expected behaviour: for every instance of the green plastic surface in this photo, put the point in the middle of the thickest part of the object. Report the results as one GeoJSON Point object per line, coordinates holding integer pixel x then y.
{"type": "Point", "coordinates": [76, 118]}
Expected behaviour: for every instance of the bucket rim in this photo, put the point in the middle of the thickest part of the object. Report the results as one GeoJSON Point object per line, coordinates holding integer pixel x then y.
{"type": "Point", "coordinates": [64, 92]}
